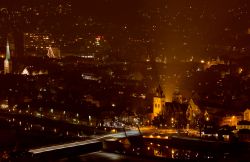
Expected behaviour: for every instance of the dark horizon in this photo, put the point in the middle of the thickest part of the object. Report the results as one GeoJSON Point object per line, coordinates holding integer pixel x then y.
{"type": "Point", "coordinates": [172, 28]}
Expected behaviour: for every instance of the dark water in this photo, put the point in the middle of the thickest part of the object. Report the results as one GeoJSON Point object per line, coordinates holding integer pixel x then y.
{"type": "Point", "coordinates": [114, 157]}
{"type": "Point", "coordinates": [17, 135]}
{"type": "Point", "coordinates": [174, 149]}
{"type": "Point", "coordinates": [106, 157]}
{"type": "Point", "coordinates": [170, 152]}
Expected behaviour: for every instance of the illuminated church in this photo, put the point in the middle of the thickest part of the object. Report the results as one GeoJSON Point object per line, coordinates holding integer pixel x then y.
{"type": "Point", "coordinates": [7, 61]}
{"type": "Point", "coordinates": [158, 102]}
{"type": "Point", "coordinates": [176, 113]}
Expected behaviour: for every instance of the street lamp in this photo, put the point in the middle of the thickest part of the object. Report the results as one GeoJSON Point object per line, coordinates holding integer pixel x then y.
{"type": "Point", "coordinates": [172, 122]}
{"type": "Point", "coordinates": [90, 118]}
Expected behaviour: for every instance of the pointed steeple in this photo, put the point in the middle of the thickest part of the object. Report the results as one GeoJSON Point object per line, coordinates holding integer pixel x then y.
{"type": "Point", "coordinates": [159, 92]}
{"type": "Point", "coordinates": [7, 57]}
{"type": "Point", "coordinates": [7, 61]}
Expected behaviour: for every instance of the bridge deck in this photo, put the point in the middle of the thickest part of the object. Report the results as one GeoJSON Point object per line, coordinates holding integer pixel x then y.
{"type": "Point", "coordinates": [81, 143]}
{"type": "Point", "coordinates": [62, 146]}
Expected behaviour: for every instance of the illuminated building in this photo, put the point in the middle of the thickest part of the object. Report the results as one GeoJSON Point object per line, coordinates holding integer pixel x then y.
{"type": "Point", "coordinates": [7, 61]}
{"type": "Point", "coordinates": [231, 120]}
{"type": "Point", "coordinates": [36, 44]}
{"type": "Point", "coordinates": [53, 52]}
{"type": "Point", "coordinates": [4, 104]}
{"type": "Point", "coordinates": [25, 72]}
{"type": "Point", "coordinates": [177, 97]}
{"type": "Point", "coordinates": [95, 47]}
{"type": "Point", "coordinates": [247, 115]}
{"type": "Point", "coordinates": [158, 102]}
{"type": "Point", "coordinates": [218, 61]}
{"type": "Point", "coordinates": [243, 125]}
{"type": "Point", "coordinates": [89, 76]}
{"type": "Point", "coordinates": [32, 71]}
{"type": "Point", "coordinates": [193, 112]}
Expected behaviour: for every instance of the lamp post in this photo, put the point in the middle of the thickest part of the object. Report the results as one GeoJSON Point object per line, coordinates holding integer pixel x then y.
{"type": "Point", "coordinates": [89, 118]}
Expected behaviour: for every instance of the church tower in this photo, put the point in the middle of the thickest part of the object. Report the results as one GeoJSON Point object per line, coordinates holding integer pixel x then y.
{"type": "Point", "coordinates": [177, 97]}
{"type": "Point", "coordinates": [7, 61]}
{"type": "Point", "coordinates": [158, 102]}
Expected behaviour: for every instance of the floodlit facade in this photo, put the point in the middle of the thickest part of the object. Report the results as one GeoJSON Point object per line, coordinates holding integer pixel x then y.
{"type": "Point", "coordinates": [53, 52]}
{"type": "Point", "coordinates": [247, 115]}
{"type": "Point", "coordinates": [158, 102]}
{"type": "Point", "coordinates": [230, 120]}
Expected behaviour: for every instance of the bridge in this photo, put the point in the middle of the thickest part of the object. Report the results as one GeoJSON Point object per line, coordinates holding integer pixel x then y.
{"type": "Point", "coordinates": [76, 148]}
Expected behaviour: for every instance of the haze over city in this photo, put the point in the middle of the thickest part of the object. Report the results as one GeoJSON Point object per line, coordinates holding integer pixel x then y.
{"type": "Point", "coordinates": [125, 79]}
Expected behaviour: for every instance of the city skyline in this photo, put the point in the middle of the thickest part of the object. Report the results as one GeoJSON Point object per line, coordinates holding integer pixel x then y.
{"type": "Point", "coordinates": [144, 79]}
{"type": "Point", "coordinates": [159, 29]}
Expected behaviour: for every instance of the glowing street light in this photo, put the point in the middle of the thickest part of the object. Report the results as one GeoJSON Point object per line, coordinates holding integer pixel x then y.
{"type": "Point", "coordinates": [172, 120]}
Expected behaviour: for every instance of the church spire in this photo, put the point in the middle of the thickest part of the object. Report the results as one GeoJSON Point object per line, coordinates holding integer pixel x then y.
{"type": "Point", "coordinates": [159, 92]}
{"type": "Point", "coordinates": [7, 61]}
{"type": "Point", "coordinates": [7, 57]}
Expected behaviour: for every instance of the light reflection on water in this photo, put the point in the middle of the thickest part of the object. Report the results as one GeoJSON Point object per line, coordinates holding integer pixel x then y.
{"type": "Point", "coordinates": [164, 151]}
